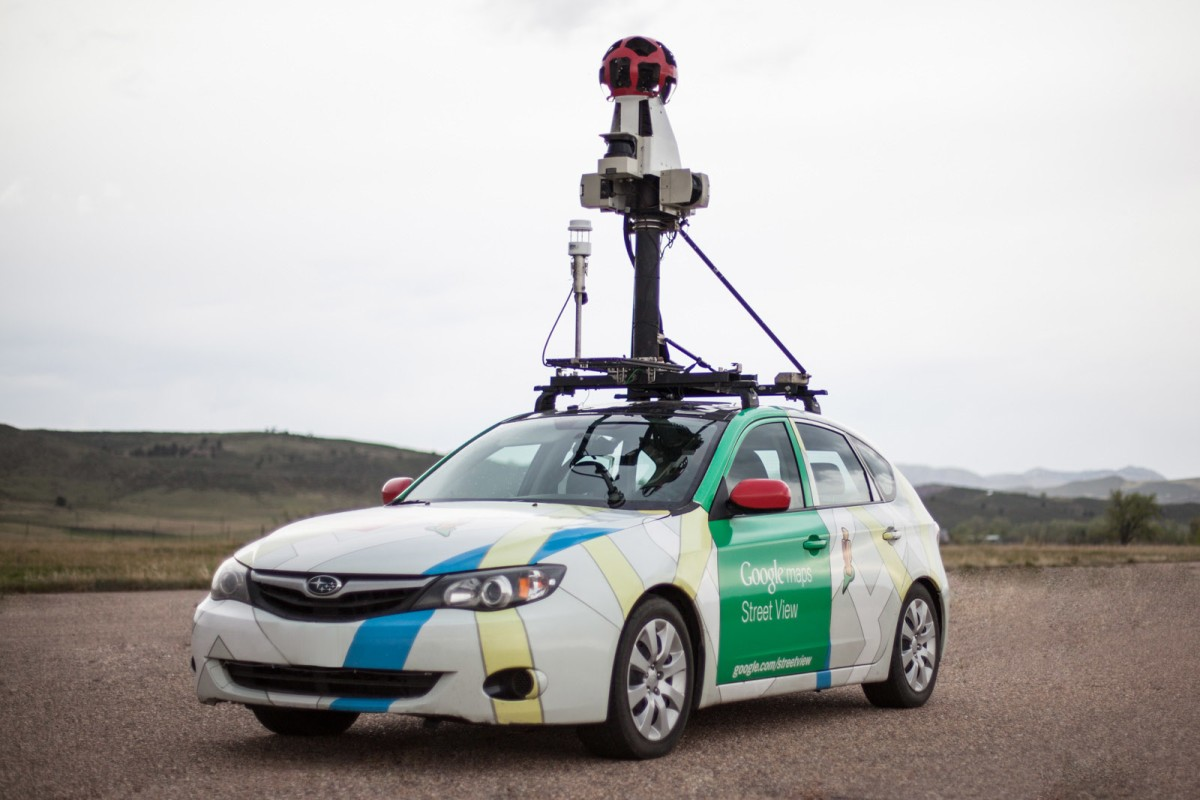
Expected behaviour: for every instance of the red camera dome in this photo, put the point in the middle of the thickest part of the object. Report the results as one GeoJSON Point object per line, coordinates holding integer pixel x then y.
{"type": "Point", "coordinates": [637, 65]}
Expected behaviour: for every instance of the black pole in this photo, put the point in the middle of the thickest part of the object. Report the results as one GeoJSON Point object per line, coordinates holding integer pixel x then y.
{"type": "Point", "coordinates": [645, 291]}
{"type": "Point", "coordinates": [648, 223]}
{"type": "Point", "coordinates": [742, 300]}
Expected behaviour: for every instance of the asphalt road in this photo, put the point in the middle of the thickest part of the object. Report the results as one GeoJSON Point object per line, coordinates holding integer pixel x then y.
{"type": "Point", "coordinates": [1074, 682]}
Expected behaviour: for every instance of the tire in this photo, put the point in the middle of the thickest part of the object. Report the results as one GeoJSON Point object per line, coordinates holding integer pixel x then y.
{"type": "Point", "coordinates": [650, 696]}
{"type": "Point", "coordinates": [303, 721]}
{"type": "Point", "coordinates": [915, 656]}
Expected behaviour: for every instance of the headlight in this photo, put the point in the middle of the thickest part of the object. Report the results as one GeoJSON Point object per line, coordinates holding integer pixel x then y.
{"type": "Point", "coordinates": [493, 589]}
{"type": "Point", "coordinates": [229, 582]}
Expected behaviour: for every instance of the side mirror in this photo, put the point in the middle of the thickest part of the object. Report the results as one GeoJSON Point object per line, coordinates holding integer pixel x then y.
{"type": "Point", "coordinates": [761, 494]}
{"type": "Point", "coordinates": [394, 488]}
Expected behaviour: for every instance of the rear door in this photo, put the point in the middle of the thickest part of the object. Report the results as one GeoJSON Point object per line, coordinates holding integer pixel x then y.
{"type": "Point", "coordinates": [865, 573]}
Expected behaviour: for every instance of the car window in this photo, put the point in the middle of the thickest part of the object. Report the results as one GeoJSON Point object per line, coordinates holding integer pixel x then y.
{"type": "Point", "coordinates": [767, 452]}
{"type": "Point", "coordinates": [615, 459]}
{"type": "Point", "coordinates": [503, 470]}
{"type": "Point", "coordinates": [880, 470]}
{"type": "Point", "coordinates": [837, 475]}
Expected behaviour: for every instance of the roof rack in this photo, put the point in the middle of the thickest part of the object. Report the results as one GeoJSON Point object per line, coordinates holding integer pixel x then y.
{"type": "Point", "coordinates": [649, 378]}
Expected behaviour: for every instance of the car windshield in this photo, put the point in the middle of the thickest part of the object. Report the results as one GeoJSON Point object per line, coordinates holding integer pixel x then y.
{"type": "Point", "coordinates": [618, 460]}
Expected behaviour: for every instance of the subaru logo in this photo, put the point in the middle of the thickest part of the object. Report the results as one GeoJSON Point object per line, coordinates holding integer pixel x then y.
{"type": "Point", "coordinates": [323, 585]}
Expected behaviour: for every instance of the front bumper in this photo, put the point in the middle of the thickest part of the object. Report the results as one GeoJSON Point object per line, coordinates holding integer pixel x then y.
{"type": "Point", "coordinates": [563, 643]}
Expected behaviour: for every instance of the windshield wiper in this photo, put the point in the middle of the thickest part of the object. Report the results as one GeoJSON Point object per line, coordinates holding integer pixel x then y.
{"type": "Point", "coordinates": [616, 498]}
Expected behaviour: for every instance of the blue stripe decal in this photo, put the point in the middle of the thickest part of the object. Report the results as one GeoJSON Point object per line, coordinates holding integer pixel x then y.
{"type": "Point", "coordinates": [824, 679]}
{"type": "Point", "coordinates": [384, 642]}
{"type": "Point", "coordinates": [561, 540]}
{"type": "Point", "coordinates": [366, 705]}
{"type": "Point", "coordinates": [463, 562]}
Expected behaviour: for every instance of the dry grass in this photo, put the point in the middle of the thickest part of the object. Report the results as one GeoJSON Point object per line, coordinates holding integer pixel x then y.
{"type": "Point", "coordinates": [37, 559]}
{"type": "Point", "coordinates": [984, 556]}
{"type": "Point", "coordinates": [161, 545]}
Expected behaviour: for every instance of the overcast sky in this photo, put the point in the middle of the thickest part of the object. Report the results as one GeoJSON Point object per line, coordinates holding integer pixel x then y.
{"type": "Point", "coordinates": [976, 224]}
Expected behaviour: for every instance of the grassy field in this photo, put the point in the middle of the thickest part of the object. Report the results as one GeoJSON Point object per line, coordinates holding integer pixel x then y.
{"type": "Point", "coordinates": [49, 560]}
{"type": "Point", "coordinates": [984, 556]}
{"type": "Point", "coordinates": [41, 559]}
{"type": "Point", "coordinates": [161, 546]}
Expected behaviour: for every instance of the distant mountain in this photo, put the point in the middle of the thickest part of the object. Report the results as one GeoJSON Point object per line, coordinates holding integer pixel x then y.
{"type": "Point", "coordinates": [1039, 479]}
{"type": "Point", "coordinates": [920, 475]}
{"type": "Point", "coordinates": [1058, 483]}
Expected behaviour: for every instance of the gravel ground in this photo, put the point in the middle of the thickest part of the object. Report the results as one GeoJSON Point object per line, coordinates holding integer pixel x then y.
{"type": "Point", "coordinates": [1071, 682]}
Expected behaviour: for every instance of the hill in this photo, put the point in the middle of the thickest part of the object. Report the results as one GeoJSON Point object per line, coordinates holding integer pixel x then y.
{"type": "Point", "coordinates": [188, 482]}
{"type": "Point", "coordinates": [971, 514]}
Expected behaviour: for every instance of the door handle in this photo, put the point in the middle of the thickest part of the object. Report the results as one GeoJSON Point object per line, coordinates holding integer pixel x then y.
{"type": "Point", "coordinates": [891, 534]}
{"type": "Point", "coordinates": [815, 543]}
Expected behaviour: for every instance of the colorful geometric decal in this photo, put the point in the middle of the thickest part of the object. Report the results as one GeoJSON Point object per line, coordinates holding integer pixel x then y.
{"type": "Point", "coordinates": [505, 645]}
{"type": "Point", "coordinates": [384, 642]}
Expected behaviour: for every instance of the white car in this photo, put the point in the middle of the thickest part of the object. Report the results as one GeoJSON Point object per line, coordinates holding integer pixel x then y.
{"type": "Point", "coordinates": [610, 569]}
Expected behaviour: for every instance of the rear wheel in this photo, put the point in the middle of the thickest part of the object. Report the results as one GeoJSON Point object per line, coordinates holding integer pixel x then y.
{"type": "Point", "coordinates": [915, 656]}
{"type": "Point", "coordinates": [650, 696]}
{"type": "Point", "coordinates": [303, 721]}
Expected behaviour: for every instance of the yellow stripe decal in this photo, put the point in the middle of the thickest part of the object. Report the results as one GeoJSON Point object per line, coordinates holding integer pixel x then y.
{"type": "Point", "coordinates": [620, 574]}
{"type": "Point", "coordinates": [505, 645]}
{"type": "Point", "coordinates": [887, 552]}
{"type": "Point", "coordinates": [518, 545]}
{"type": "Point", "coordinates": [695, 544]}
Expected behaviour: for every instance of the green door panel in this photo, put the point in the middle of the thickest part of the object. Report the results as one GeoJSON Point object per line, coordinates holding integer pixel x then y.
{"type": "Point", "coordinates": [775, 595]}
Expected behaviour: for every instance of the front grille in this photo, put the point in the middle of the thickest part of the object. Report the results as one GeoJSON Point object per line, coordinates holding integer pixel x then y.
{"type": "Point", "coordinates": [326, 682]}
{"type": "Point", "coordinates": [362, 597]}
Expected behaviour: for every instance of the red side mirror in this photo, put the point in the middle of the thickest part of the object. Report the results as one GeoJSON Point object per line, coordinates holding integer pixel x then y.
{"type": "Point", "coordinates": [394, 488]}
{"type": "Point", "coordinates": [762, 494]}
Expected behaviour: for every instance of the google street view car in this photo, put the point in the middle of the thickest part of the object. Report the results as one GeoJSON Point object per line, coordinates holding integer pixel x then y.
{"type": "Point", "coordinates": [614, 568]}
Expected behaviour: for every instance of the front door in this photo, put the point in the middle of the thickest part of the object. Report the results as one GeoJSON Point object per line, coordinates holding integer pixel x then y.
{"type": "Point", "coordinates": [773, 570]}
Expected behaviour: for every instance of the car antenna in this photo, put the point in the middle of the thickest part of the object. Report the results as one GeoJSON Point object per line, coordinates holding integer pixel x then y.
{"type": "Point", "coordinates": [641, 177]}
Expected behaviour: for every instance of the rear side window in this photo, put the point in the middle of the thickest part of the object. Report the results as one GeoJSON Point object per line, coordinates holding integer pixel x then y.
{"type": "Point", "coordinates": [837, 475]}
{"type": "Point", "coordinates": [880, 470]}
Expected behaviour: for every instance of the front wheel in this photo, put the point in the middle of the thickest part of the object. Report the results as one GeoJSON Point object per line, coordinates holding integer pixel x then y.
{"type": "Point", "coordinates": [650, 697]}
{"type": "Point", "coordinates": [915, 656]}
{"type": "Point", "coordinates": [303, 721]}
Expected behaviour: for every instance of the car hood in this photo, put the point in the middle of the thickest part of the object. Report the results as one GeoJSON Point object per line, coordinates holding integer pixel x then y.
{"type": "Point", "coordinates": [434, 539]}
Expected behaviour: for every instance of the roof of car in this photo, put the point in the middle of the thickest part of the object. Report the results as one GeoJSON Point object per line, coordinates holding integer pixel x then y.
{"type": "Point", "coordinates": [722, 411]}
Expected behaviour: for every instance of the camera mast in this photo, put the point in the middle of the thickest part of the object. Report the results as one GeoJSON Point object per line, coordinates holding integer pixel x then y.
{"type": "Point", "coordinates": [641, 178]}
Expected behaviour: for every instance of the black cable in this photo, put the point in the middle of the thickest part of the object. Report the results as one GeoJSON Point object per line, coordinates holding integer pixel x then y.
{"type": "Point", "coordinates": [555, 326]}
{"type": "Point", "coordinates": [670, 241]}
{"type": "Point", "coordinates": [741, 300]}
